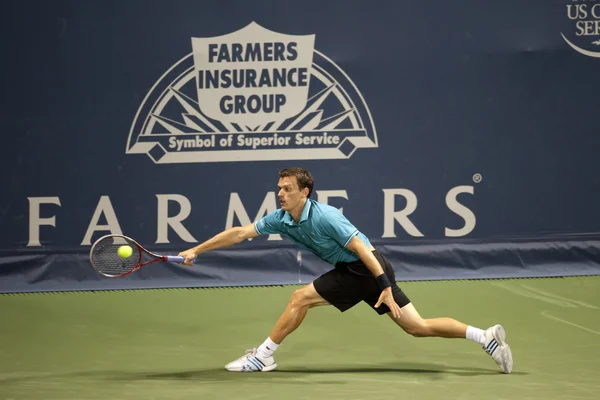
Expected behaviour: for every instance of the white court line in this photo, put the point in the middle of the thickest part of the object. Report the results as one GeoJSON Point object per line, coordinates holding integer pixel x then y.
{"type": "Point", "coordinates": [555, 296]}
{"type": "Point", "coordinates": [545, 314]}
{"type": "Point", "coordinates": [527, 293]}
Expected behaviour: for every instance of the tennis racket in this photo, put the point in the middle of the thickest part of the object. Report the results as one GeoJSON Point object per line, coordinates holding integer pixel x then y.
{"type": "Point", "coordinates": [105, 258]}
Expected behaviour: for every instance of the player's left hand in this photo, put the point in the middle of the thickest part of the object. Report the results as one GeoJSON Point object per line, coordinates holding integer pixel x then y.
{"type": "Point", "coordinates": [387, 298]}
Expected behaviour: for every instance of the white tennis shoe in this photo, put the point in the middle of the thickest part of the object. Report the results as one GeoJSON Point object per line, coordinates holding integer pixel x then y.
{"type": "Point", "coordinates": [250, 362]}
{"type": "Point", "coordinates": [496, 346]}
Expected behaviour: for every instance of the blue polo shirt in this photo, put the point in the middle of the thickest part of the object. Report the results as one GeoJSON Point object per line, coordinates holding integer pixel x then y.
{"type": "Point", "coordinates": [323, 230]}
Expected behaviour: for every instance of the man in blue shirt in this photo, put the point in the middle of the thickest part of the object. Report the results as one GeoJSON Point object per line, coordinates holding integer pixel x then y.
{"type": "Point", "coordinates": [361, 273]}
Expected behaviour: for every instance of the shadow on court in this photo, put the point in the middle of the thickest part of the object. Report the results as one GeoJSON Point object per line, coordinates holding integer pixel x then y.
{"type": "Point", "coordinates": [424, 370]}
{"type": "Point", "coordinates": [398, 369]}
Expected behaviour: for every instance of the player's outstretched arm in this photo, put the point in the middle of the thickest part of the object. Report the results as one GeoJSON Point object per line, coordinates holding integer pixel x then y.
{"type": "Point", "coordinates": [226, 238]}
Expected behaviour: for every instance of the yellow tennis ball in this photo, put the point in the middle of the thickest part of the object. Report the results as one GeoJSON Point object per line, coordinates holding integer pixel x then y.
{"type": "Point", "coordinates": [125, 251]}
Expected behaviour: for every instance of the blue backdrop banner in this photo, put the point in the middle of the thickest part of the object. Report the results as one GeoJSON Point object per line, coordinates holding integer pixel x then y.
{"type": "Point", "coordinates": [460, 137]}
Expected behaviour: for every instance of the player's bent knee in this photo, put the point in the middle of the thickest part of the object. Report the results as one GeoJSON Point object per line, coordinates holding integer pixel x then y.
{"type": "Point", "coordinates": [419, 329]}
{"type": "Point", "coordinates": [300, 298]}
{"type": "Point", "coordinates": [306, 297]}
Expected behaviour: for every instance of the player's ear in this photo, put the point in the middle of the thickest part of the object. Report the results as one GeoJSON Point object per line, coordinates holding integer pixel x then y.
{"type": "Point", "coordinates": [305, 192]}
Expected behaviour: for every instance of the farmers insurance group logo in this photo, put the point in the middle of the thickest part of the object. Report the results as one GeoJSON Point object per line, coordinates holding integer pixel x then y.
{"type": "Point", "coordinates": [584, 35]}
{"type": "Point", "coordinates": [252, 95]}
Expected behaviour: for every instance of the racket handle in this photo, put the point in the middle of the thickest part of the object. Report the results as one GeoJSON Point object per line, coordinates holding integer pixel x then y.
{"type": "Point", "coordinates": [177, 259]}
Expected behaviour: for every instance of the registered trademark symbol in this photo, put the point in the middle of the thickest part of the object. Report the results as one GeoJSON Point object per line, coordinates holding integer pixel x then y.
{"type": "Point", "coordinates": [477, 178]}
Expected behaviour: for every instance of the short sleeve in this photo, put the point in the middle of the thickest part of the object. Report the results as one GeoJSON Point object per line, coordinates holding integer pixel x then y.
{"type": "Point", "coordinates": [269, 224]}
{"type": "Point", "coordinates": [336, 226]}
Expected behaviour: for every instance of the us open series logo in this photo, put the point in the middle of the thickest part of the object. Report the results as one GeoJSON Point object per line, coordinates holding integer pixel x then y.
{"type": "Point", "coordinates": [252, 95]}
{"type": "Point", "coordinates": [583, 34]}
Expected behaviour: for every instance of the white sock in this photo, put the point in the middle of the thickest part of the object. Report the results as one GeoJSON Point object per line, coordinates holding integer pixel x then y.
{"type": "Point", "coordinates": [267, 349]}
{"type": "Point", "coordinates": [475, 334]}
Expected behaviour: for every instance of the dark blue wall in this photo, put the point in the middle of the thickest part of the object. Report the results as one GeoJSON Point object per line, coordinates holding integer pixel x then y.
{"type": "Point", "coordinates": [498, 98]}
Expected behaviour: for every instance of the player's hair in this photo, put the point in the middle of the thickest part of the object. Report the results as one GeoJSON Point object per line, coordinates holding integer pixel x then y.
{"type": "Point", "coordinates": [304, 178]}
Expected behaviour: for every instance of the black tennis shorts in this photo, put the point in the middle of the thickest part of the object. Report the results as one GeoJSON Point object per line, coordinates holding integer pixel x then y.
{"type": "Point", "coordinates": [350, 283]}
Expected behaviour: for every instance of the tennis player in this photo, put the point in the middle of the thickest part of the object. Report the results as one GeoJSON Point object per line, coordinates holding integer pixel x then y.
{"type": "Point", "coordinates": [361, 273]}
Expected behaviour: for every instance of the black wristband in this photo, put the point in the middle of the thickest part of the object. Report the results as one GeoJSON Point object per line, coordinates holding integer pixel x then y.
{"type": "Point", "coordinates": [383, 281]}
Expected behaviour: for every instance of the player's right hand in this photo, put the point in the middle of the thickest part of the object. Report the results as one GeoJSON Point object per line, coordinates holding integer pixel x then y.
{"type": "Point", "coordinates": [189, 255]}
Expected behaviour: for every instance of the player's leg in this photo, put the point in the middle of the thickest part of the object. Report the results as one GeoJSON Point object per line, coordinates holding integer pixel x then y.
{"type": "Point", "coordinates": [337, 287]}
{"type": "Point", "coordinates": [412, 323]}
{"type": "Point", "coordinates": [410, 320]}
{"type": "Point", "coordinates": [302, 299]}
{"type": "Point", "coordinates": [493, 339]}
{"type": "Point", "coordinates": [261, 359]}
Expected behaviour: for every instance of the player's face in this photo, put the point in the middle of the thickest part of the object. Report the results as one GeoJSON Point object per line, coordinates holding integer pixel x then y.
{"type": "Point", "coordinates": [289, 194]}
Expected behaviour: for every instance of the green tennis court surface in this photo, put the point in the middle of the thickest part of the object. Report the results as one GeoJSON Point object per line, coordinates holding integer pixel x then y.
{"type": "Point", "coordinates": [173, 344]}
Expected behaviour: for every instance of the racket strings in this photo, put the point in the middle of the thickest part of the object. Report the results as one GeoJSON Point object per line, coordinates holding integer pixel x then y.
{"type": "Point", "coordinates": [106, 259]}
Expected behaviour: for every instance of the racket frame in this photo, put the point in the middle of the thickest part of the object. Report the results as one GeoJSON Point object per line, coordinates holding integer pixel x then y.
{"type": "Point", "coordinates": [139, 264]}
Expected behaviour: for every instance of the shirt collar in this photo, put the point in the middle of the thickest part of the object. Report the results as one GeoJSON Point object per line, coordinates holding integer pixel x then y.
{"type": "Point", "coordinates": [287, 218]}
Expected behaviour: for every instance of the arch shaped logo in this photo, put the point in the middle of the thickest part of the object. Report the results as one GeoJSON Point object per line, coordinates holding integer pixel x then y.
{"type": "Point", "coordinates": [252, 95]}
